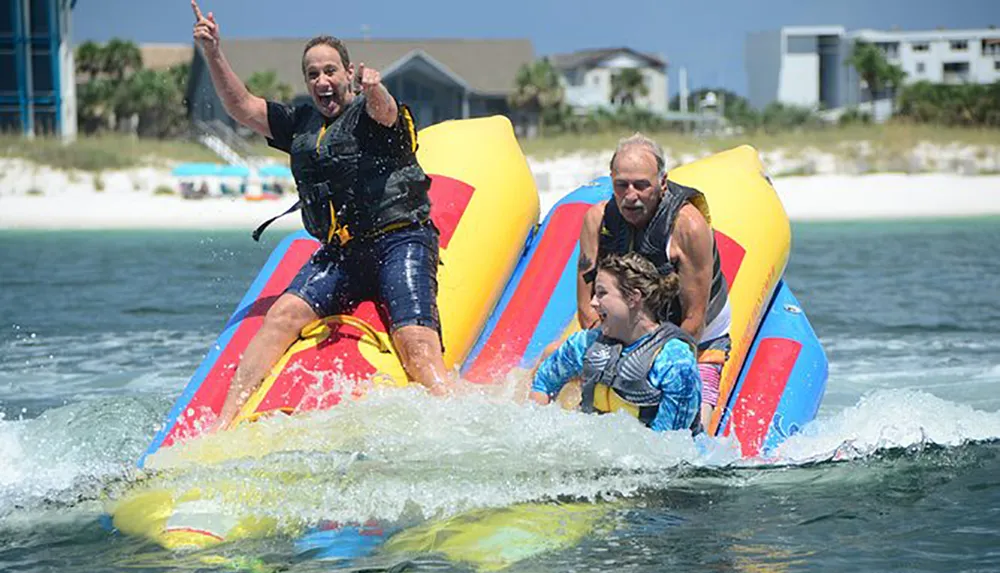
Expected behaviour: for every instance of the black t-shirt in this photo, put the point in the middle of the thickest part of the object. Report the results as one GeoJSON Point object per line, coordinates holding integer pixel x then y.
{"type": "Point", "coordinates": [286, 120]}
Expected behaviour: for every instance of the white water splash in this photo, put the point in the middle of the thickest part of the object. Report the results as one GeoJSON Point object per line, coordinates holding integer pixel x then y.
{"type": "Point", "coordinates": [890, 419]}
{"type": "Point", "coordinates": [69, 453]}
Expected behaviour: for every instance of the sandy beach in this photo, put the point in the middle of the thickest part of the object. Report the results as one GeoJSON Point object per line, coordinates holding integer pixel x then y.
{"type": "Point", "coordinates": [37, 197]}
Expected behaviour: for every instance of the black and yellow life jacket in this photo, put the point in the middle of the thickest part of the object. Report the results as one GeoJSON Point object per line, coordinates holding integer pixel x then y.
{"type": "Point", "coordinates": [614, 380]}
{"type": "Point", "coordinates": [356, 177]}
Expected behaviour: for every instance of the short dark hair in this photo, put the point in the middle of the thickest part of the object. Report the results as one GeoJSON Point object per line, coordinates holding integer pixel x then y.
{"type": "Point", "coordinates": [334, 43]}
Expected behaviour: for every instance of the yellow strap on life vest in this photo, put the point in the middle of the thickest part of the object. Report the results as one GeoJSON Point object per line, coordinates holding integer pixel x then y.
{"type": "Point", "coordinates": [607, 400]}
{"type": "Point", "coordinates": [341, 232]}
{"type": "Point", "coordinates": [701, 204]}
{"type": "Point", "coordinates": [404, 113]}
{"type": "Point", "coordinates": [319, 138]}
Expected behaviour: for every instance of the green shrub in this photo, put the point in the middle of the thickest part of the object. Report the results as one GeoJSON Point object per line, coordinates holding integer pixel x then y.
{"type": "Point", "coordinates": [965, 105]}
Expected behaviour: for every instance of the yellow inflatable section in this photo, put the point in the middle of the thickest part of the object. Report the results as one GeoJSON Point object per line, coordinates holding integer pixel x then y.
{"type": "Point", "coordinates": [490, 237]}
{"type": "Point", "coordinates": [494, 539]}
{"type": "Point", "coordinates": [744, 208]}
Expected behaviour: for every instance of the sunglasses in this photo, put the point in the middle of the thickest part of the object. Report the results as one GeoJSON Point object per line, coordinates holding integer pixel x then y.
{"type": "Point", "coordinates": [622, 185]}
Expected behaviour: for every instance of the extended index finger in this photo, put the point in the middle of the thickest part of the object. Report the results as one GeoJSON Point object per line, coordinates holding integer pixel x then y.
{"type": "Point", "coordinates": [197, 10]}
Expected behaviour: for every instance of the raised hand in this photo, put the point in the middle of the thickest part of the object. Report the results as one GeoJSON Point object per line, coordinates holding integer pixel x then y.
{"type": "Point", "coordinates": [206, 30]}
{"type": "Point", "coordinates": [369, 78]}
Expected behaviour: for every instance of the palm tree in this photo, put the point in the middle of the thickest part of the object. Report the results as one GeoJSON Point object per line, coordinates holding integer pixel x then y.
{"type": "Point", "coordinates": [157, 99]}
{"type": "Point", "coordinates": [873, 69]}
{"type": "Point", "coordinates": [90, 59]}
{"type": "Point", "coordinates": [94, 103]}
{"type": "Point", "coordinates": [537, 86]}
{"type": "Point", "coordinates": [627, 86]}
{"type": "Point", "coordinates": [267, 86]}
{"type": "Point", "coordinates": [120, 57]}
{"type": "Point", "coordinates": [537, 89]}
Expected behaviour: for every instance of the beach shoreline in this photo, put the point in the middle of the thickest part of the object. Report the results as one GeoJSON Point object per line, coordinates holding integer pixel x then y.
{"type": "Point", "coordinates": [42, 198]}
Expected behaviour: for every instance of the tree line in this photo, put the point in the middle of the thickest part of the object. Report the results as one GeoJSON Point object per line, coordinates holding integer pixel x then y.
{"type": "Point", "coordinates": [117, 93]}
{"type": "Point", "coordinates": [538, 89]}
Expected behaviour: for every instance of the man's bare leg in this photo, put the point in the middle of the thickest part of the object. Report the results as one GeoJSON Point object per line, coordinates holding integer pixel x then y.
{"type": "Point", "coordinates": [419, 349]}
{"type": "Point", "coordinates": [282, 325]}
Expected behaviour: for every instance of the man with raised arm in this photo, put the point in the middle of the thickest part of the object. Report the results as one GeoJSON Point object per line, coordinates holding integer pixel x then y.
{"type": "Point", "coordinates": [362, 194]}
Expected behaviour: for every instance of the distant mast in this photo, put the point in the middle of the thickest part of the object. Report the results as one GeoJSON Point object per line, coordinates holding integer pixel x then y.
{"type": "Point", "coordinates": [682, 79]}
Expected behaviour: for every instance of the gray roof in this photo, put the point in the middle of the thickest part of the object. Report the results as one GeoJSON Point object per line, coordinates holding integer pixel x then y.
{"type": "Point", "coordinates": [487, 66]}
{"type": "Point", "coordinates": [580, 58]}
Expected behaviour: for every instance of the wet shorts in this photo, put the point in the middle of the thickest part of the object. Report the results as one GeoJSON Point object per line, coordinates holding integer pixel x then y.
{"type": "Point", "coordinates": [397, 270]}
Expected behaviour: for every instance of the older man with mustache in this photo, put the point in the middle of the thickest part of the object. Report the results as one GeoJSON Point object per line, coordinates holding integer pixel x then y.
{"type": "Point", "coordinates": [668, 224]}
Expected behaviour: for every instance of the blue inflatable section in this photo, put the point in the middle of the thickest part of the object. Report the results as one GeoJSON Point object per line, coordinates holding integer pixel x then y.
{"type": "Point", "coordinates": [342, 543]}
{"type": "Point", "coordinates": [561, 308]}
{"type": "Point", "coordinates": [220, 343]}
{"type": "Point", "coordinates": [806, 383]}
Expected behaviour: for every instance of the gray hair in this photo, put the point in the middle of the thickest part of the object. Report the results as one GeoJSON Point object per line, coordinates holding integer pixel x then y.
{"type": "Point", "coordinates": [639, 140]}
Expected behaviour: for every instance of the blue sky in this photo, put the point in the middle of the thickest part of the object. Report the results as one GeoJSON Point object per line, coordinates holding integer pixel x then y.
{"type": "Point", "coordinates": [706, 37]}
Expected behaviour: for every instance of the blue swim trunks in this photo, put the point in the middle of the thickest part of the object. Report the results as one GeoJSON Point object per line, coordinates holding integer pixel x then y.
{"type": "Point", "coordinates": [396, 270]}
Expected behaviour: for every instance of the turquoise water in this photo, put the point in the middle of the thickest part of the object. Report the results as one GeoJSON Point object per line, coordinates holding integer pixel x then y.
{"type": "Point", "coordinates": [99, 332]}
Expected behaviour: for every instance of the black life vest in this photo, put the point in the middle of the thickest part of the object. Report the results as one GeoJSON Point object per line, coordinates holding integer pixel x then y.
{"type": "Point", "coordinates": [356, 177]}
{"type": "Point", "coordinates": [617, 236]}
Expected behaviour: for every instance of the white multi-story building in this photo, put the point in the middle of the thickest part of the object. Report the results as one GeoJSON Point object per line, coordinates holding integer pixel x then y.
{"type": "Point", "coordinates": [807, 66]}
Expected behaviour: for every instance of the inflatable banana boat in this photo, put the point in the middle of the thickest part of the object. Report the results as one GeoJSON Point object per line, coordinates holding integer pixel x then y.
{"type": "Point", "coordinates": [506, 291]}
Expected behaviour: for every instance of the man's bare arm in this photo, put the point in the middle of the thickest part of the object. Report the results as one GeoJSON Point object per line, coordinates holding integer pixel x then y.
{"type": "Point", "coordinates": [239, 103]}
{"type": "Point", "coordinates": [380, 104]}
{"type": "Point", "coordinates": [587, 265]}
{"type": "Point", "coordinates": [691, 249]}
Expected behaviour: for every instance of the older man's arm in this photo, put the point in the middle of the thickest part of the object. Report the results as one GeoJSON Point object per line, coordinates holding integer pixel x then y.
{"type": "Point", "coordinates": [587, 265]}
{"type": "Point", "coordinates": [691, 249]}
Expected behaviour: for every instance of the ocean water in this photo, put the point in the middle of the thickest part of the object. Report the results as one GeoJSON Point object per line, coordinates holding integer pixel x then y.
{"type": "Point", "coordinates": [100, 331]}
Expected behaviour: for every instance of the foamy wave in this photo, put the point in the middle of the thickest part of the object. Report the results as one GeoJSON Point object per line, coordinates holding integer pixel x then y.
{"type": "Point", "coordinates": [70, 453]}
{"type": "Point", "coordinates": [890, 419]}
{"type": "Point", "coordinates": [401, 452]}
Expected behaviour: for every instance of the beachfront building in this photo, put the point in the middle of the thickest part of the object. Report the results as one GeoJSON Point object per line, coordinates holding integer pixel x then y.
{"type": "Point", "coordinates": [807, 65]}
{"type": "Point", "coordinates": [438, 79]}
{"type": "Point", "coordinates": [587, 76]}
{"type": "Point", "coordinates": [37, 91]}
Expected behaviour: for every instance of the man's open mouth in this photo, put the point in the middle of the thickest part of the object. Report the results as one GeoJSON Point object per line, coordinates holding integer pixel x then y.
{"type": "Point", "coordinates": [325, 97]}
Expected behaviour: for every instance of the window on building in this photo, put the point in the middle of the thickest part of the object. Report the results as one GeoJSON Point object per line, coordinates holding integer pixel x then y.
{"type": "Point", "coordinates": [920, 67]}
{"type": "Point", "coordinates": [959, 45]}
{"type": "Point", "coordinates": [996, 65]}
{"type": "Point", "coordinates": [890, 49]}
{"type": "Point", "coordinates": [991, 47]}
{"type": "Point", "coordinates": [921, 47]}
{"type": "Point", "coordinates": [801, 45]}
{"type": "Point", "coordinates": [955, 72]}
